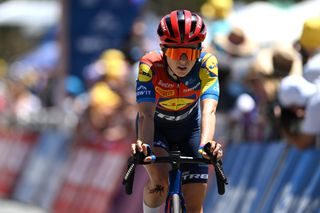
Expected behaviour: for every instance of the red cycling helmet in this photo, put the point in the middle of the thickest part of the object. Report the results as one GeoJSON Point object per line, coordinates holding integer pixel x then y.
{"type": "Point", "coordinates": [181, 27]}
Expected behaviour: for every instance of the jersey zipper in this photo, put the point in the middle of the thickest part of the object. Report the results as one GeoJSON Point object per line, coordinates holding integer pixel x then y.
{"type": "Point", "coordinates": [178, 91]}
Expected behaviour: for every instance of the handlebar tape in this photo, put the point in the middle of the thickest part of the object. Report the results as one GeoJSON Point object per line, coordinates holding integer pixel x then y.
{"type": "Point", "coordinates": [220, 176]}
{"type": "Point", "coordinates": [129, 176]}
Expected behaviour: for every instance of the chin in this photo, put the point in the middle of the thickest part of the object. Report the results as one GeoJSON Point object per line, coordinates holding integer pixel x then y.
{"type": "Point", "coordinates": [179, 74]}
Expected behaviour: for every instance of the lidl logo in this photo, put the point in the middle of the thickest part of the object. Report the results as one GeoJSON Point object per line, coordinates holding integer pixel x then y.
{"type": "Point", "coordinates": [145, 73]}
{"type": "Point", "coordinates": [176, 103]}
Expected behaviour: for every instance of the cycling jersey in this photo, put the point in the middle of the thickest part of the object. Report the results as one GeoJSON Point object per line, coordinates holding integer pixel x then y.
{"type": "Point", "coordinates": [176, 100]}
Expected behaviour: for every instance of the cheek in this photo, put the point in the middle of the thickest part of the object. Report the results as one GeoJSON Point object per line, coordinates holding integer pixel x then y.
{"type": "Point", "coordinates": [171, 62]}
{"type": "Point", "coordinates": [191, 63]}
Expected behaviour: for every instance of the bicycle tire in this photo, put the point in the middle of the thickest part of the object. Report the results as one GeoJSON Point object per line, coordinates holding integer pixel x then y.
{"type": "Point", "coordinates": [176, 208]}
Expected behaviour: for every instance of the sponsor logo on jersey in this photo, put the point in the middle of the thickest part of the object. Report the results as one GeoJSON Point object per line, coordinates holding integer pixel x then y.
{"type": "Point", "coordinates": [164, 93]}
{"type": "Point", "coordinates": [176, 118]}
{"type": "Point", "coordinates": [192, 88]}
{"type": "Point", "coordinates": [165, 85]}
{"type": "Point", "coordinates": [211, 65]}
{"type": "Point", "coordinates": [145, 73]}
{"type": "Point", "coordinates": [142, 90]}
{"type": "Point", "coordinates": [176, 103]}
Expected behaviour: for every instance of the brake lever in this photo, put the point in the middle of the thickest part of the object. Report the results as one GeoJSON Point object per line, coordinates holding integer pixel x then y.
{"type": "Point", "coordinates": [221, 178]}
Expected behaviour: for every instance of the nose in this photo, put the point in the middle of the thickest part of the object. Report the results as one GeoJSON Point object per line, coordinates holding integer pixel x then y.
{"type": "Point", "coordinates": [183, 59]}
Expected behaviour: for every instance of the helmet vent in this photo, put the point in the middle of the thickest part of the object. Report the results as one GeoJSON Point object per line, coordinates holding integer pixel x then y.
{"type": "Point", "coordinates": [181, 23]}
{"type": "Point", "coordinates": [202, 28]}
{"type": "Point", "coordinates": [169, 40]}
{"type": "Point", "coordinates": [193, 25]}
{"type": "Point", "coordinates": [159, 31]}
{"type": "Point", "coordinates": [168, 22]}
{"type": "Point", "coordinates": [194, 39]}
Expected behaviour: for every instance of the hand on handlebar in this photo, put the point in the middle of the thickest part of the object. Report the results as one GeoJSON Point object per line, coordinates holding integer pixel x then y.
{"type": "Point", "coordinates": [144, 149]}
{"type": "Point", "coordinates": [215, 148]}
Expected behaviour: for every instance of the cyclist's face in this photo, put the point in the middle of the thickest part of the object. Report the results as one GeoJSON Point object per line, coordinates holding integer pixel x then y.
{"type": "Point", "coordinates": [182, 59]}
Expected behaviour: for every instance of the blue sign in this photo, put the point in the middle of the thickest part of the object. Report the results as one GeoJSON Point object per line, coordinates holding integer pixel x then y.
{"type": "Point", "coordinates": [97, 25]}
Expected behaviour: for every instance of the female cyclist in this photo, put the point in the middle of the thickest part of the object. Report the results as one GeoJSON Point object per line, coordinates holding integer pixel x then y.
{"type": "Point", "coordinates": [177, 93]}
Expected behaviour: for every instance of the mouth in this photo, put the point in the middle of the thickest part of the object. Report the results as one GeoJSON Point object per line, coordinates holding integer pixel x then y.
{"type": "Point", "coordinates": [182, 68]}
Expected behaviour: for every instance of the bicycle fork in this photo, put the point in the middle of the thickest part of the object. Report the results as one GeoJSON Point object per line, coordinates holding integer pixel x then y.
{"type": "Point", "coordinates": [175, 201]}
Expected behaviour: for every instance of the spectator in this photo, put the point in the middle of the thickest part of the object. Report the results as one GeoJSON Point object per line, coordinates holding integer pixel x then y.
{"type": "Point", "coordinates": [300, 117]}
{"type": "Point", "coordinates": [274, 63]}
{"type": "Point", "coordinates": [244, 123]}
{"type": "Point", "coordinates": [3, 68]}
{"type": "Point", "coordinates": [25, 104]}
{"type": "Point", "coordinates": [99, 116]}
{"type": "Point", "coordinates": [111, 66]}
{"type": "Point", "coordinates": [262, 81]}
{"type": "Point", "coordinates": [311, 70]}
{"type": "Point", "coordinates": [217, 11]}
{"type": "Point", "coordinates": [309, 41]}
{"type": "Point", "coordinates": [235, 51]}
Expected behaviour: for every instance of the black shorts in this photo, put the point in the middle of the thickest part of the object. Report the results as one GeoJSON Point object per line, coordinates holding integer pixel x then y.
{"type": "Point", "coordinates": [186, 137]}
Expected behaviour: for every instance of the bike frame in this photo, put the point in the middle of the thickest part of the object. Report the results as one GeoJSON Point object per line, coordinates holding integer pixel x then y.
{"type": "Point", "coordinates": [175, 188]}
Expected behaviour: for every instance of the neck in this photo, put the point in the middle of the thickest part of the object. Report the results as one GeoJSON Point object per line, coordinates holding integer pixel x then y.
{"type": "Point", "coordinates": [171, 73]}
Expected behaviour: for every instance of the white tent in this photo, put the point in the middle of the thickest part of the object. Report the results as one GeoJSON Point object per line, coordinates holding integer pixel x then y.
{"type": "Point", "coordinates": [31, 15]}
{"type": "Point", "coordinates": [266, 23]}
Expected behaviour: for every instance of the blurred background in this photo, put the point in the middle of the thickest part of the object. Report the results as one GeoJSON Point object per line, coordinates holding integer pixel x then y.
{"type": "Point", "coordinates": [67, 102]}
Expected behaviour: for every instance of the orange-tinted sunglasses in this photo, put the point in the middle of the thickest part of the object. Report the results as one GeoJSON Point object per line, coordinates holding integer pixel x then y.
{"type": "Point", "coordinates": [175, 53]}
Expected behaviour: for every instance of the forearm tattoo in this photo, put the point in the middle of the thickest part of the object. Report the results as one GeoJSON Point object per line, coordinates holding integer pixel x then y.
{"type": "Point", "coordinates": [157, 189]}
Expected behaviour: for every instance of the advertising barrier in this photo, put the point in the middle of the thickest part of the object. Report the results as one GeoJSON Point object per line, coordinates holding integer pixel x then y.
{"type": "Point", "coordinates": [92, 178]}
{"type": "Point", "coordinates": [47, 170]}
{"type": "Point", "coordinates": [15, 147]}
{"type": "Point", "coordinates": [273, 177]}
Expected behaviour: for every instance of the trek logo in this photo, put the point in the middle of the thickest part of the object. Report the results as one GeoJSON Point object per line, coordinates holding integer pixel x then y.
{"type": "Point", "coordinates": [176, 118]}
{"type": "Point", "coordinates": [195, 176]}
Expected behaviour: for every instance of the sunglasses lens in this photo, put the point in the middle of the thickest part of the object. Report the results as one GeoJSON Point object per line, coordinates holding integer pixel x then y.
{"type": "Point", "coordinates": [180, 53]}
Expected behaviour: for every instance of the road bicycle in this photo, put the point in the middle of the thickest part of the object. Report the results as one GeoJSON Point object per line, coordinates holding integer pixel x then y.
{"type": "Point", "coordinates": [175, 202]}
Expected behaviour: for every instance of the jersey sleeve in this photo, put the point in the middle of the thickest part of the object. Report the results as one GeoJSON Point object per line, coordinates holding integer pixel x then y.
{"type": "Point", "coordinates": [145, 91]}
{"type": "Point", "coordinates": [209, 78]}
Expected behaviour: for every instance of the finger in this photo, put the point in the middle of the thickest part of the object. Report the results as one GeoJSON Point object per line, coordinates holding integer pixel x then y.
{"type": "Point", "coordinates": [213, 146]}
{"type": "Point", "coordinates": [139, 145]}
{"type": "Point", "coordinates": [145, 149]}
{"type": "Point", "coordinates": [147, 159]}
{"type": "Point", "coordinates": [220, 154]}
{"type": "Point", "coordinates": [133, 148]}
{"type": "Point", "coordinates": [204, 154]}
{"type": "Point", "coordinates": [216, 149]}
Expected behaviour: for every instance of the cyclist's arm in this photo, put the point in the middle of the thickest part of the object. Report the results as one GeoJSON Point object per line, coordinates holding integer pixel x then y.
{"type": "Point", "coordinates": [208, 121]}
{"type": "Point", "coordinates": [146, 122]}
